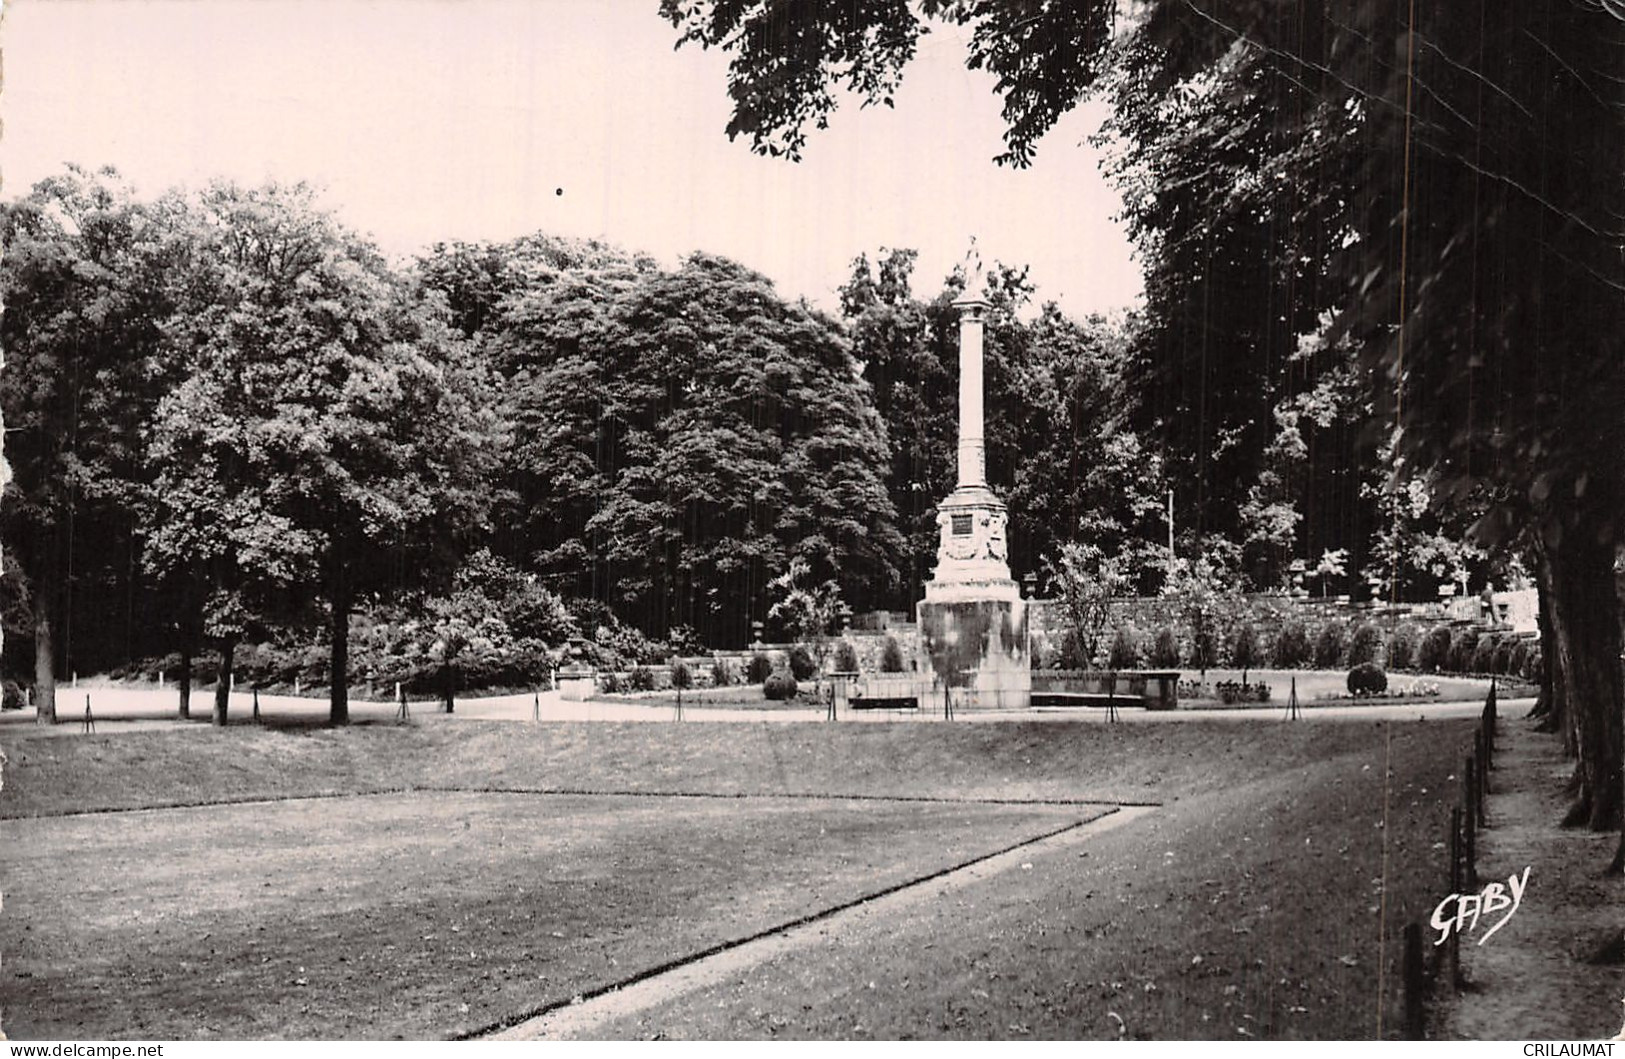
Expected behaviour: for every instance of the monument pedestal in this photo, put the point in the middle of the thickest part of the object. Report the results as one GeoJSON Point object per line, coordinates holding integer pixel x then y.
{"type": "Point", "coordinates": [980, 644]}
{"type": "Point", "coordinates": [973, 621]}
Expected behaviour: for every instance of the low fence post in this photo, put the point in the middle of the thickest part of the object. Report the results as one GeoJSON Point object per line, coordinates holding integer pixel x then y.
{"type": "Point", "coordinates": [1453, 944]}
{"type": "Point", "coordinates": [1483, 777]}
{"type": "Point", "coordinates": [1470, 828]}
{"type": "Point", "coordinates": [1414, 982]}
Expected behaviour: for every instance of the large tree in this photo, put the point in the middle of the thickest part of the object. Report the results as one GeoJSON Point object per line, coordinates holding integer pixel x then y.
{"type": "Point", "coordinates": [82, 306]}
{"type": "Point", "coordinates": [331, 431]}
{"type": "Point", "coordinates": [682, 435]}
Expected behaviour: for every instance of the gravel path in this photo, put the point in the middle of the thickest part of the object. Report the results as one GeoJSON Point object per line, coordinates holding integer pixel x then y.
{"type": "Point", "coordinates": [127, 708]}
{"type": "Point", "coordinates": [1530, 980]}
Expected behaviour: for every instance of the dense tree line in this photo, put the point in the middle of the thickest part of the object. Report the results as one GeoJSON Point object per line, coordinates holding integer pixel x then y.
{"type": "Point", "coordinates": [226, 413]}
{"type": "Point", "coordinates": [234, 424]}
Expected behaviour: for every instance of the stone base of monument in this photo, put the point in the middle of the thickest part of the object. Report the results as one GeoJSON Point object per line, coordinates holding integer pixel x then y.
{"type": "Point", "coordinates": [974, 637]}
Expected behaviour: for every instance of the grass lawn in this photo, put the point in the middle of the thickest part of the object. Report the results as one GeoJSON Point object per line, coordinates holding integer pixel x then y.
{"type": "Point", "coordinates": [53, 771]}
{"type": "Point", "coordinates": [402, 908]}
{"type": "Point", "coordinates": [423, 915]}
{"type": "Point", "coordinates": [1254, 912]}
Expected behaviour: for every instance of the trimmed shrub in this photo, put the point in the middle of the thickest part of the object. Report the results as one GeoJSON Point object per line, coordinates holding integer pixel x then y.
{"type": "Point", "coordinates": [680, 675]}
{"type": "Point", "coordinates": [1365, 645]}
{"type": "Point", "coordinates": [1329, 646]}
{"type": "Point", "coordinates": [1165, 650]}
{"type": "Point", "coordinates": [779, 686]}
{"type": "Point", "coordinates": [722, 674]}
{"type": "Point", "coordinates": [1402, 648]}
{"type": "Point", "coordinates": [609, 683]}
{"type": "Point", "coordinates": [759, 669]}
{"type": "Point", "coordinates": [11, 695]}
{"type": "Point", "coordinates": [1072, 653]}
{"type": "Point", "coordinates": [891, 656]}
{"type": "Point", "coordinates": [1534, 665]}
{"type": "Point", "coordinates": [802, 664]}
{"type": "Point", "coordinates": [846, 657]}
{"type": "Point", "coordinates": [1291, 646]}
{"type": "Point", "coordinates": [1244, 649]}
{"type": "Point", "coordinates": [1462, 647]}
{"type": "Point", "coordinates": [1434, 654]}
{"type": "Point", "coordinates": [1484, 654]}
{"type": "Point", "coordinates": [1520, 657]}
{"type": "Point", "coordinates": [1367, 678]}
{"type": "Point", "coordinates": [642, 678]}
{"type": "Point", "coordinates": [1125, 652]}
{"type": "Point", "coordinates": [1501, 664]}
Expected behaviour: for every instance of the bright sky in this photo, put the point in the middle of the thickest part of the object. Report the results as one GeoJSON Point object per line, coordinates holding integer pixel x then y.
{"type": "Point", "coordinates": [427, 120]}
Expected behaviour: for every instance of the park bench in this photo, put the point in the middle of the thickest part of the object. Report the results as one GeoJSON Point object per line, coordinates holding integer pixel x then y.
{"type": "Point", "coordinates": [890, 702]}
{"type": "Point", "coordinates": [1155, 689]}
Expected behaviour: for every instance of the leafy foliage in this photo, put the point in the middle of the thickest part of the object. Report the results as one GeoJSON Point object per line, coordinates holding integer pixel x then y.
{"type": "Point", "coordinates": [779, 686]}
{"type": "Point", "coordinates": [1087, 581]}
{"type": "Point", "coordinates": [1329, 645]}
{"type": "Point", "coordinates": [685, 435]}
{"type": "Point", "coordinates": [1244, 653]}
{"type": "Point", "coordinates": [802, 663]}
{"type": "Point", "coordinates": [1291, 648]}
{"type": "Point", "coordinates": [1365, 645]}
{"type": "Point", "coordinates": [1164, 650]}
{"type": "Point", "coordinates": [83, 303]}
{"type": "Point", "coordinates": [1433, 656]}
{"type": "Point", "coordinates": [1367, 678]}
{"type": "Point", "coordinates": [1124, 652]}
{"type": "Point", "coordinates": [891, 656]}
{"type": "Point", "coordinates": [1204, 594]}
{"type": "Point", "coordinates": [1402, 648]}
{"type": "Point", "coordinates": [846, 657]}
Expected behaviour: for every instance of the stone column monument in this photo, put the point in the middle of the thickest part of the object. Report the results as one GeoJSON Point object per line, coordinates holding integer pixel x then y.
{"type": "Point", "coordinates": [973, 621]}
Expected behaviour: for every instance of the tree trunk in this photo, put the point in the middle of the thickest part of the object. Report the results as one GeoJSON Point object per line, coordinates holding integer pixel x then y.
{"type": "Point", "coordinates": [183, 681]}
{"type": "Point", "coordinates": [1554, 687]}
{"type": "Point", "coordinates": [338, 590]}
{"type": "Point", "coordinates": [222, 688]}
{"type": "Point", "coordinates": [448, 686]}
{"type": "Point", "coordinates": [191, 632]}
{"type": "Point", "coordinates": [44, 667]}
{"type": "Point", "coordinates": [1586, 646]}
{"type": "Point", "coordinates": [1617, 867]}
{"type": "Point", "coordinates": [1546, 707]}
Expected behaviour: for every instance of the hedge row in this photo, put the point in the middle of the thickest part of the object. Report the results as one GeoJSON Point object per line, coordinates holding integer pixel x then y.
{"type": "Point", "coordinates": [1440, 649]}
